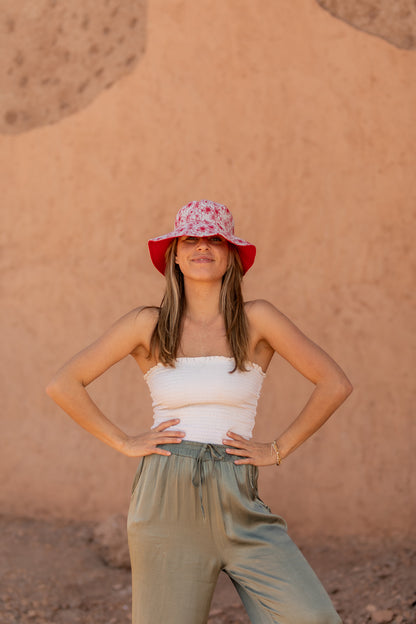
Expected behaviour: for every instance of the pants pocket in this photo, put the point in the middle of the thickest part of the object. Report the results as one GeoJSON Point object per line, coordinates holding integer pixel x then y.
{"type": "Point", "coordinates": [253, 475]}
{"type": "Point", "coordinates": [251, 481]}
{"type": "Point", "coordinates": [137, 476]}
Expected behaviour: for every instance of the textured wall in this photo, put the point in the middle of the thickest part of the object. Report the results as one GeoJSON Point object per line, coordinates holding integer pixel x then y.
{"type": "Point", "coordinates": [393, 20]}
{"type": "Point", "coordinates": [305, 127]}
{"type": "Point", "coordinates": [56, 57]}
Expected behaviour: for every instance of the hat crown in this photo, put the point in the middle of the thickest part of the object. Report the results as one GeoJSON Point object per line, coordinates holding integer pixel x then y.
{"type": "Point", "coordinates": [205, 213]}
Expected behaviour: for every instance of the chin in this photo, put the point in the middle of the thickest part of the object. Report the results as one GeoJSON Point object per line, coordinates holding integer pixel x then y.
{"type": "Point", "coordinates": [205, 274]}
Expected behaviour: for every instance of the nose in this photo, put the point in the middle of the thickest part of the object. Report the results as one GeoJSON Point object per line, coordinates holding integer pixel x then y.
{"type": "Point", "coordinates": [202, 243]}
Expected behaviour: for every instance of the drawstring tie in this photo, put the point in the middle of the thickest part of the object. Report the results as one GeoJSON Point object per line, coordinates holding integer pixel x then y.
{"type": "Point", "coordinates": [198, 474]}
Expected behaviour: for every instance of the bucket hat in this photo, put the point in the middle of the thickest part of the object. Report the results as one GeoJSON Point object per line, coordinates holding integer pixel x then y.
{"type": "Point", "coordinates": [202, 218]}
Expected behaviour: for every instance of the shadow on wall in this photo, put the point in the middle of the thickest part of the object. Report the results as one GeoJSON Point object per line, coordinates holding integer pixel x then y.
{"type": "Point", "coordinates": [56, 57]}
{"type": "Point", "coordinates": [392, 20]}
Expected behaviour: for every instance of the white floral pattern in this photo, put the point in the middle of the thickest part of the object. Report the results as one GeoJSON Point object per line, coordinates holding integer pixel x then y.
{"type": "Point", "coordinates": [202, 218]}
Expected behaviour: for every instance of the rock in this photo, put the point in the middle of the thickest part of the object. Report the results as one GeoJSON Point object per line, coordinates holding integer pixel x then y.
{"type": "Point", "coordinates": [75, 602]}
{"type": "Point", "coordinates": [371, 608]}
{"type": "Point", "coordinates": [383, 616]}
{"type": "Point", "coordinates": [215, 612]}
{"type": "Point", "coordinates": [70, 616]}
{"type": "Point", "coordinates": [110, 539]}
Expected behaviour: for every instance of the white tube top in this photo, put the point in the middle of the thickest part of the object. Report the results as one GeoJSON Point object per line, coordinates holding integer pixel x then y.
{"type": "Point", "coordinates": [208, 399]}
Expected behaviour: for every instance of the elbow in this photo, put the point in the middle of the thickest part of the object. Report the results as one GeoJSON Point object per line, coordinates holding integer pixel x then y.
{"type": "Point", "coordinates": [347, 385]}
{"type": "Point", "coordinates": [345, 388]}
{"type": "Point", "coordinates": [56, 386]}
{"type": "Point", "coordinates": [339, 387]}
{"type": "Point", "coordinates": [350, 387]}
{"type": "Point", "coordinates": [61, 385]}
{"type": "Point", "coordinates": [52, 388]}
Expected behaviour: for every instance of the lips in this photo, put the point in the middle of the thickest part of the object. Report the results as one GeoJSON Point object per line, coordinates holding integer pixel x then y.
{"type": "Point", "coordinates": [202, 259]}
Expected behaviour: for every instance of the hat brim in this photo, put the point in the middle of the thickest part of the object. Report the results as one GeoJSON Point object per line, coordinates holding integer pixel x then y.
{"type": "Point", "coordinates": [159, 245]}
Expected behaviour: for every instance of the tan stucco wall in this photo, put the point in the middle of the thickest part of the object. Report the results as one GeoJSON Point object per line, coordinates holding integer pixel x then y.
{"type": "Point", "coordinates": [306, 128]}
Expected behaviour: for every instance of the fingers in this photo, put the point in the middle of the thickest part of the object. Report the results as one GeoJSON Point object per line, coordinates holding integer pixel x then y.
{"type": "Point", "coordinates": [167, 423]}
{"type": "Point", "coordinates": [235, 436]}
{"type": "Point", "coordinates": [159, 451]}
{"type": "Point", "coordinates": [241, 452]}
{"type": "Point", "coordinates": [168, 440]}
{"type": "Point", "coordinates": [172, 434]}
{"type": "Point", "coordinates": [238, 450]}
{"type": "Point", "coordinates": [237, 441]}
{"type": "Point", "coordinates": [254, 452]}
{"type": "Point", "coordinates": [166, 437]}
{"type": "Point", "coordinates": [234, 443]}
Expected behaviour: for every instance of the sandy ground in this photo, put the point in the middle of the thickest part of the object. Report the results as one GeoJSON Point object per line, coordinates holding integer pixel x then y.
{"type": "Point", "coordinates": [53, 573]}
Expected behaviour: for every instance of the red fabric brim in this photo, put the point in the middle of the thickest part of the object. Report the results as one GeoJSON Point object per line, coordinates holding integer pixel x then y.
{"type": "Point", "coordinates": [158, 248]}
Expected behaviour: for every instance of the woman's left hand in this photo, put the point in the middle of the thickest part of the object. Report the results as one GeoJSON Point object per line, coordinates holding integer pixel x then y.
{"type": "Point", "coordinates": [257, 453]}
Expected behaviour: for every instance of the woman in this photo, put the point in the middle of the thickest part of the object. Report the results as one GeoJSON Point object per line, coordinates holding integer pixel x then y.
{"type": "Point", "coordinates": [194, 507]}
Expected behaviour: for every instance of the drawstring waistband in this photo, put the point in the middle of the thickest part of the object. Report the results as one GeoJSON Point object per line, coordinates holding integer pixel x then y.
{"type": "Point", "coordinates": [201, 452]}
{"type": "Point", "coordinates": [198, 475]}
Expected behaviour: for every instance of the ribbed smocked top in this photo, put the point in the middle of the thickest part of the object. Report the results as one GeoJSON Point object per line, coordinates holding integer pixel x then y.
{"type": "Point", "coordinates": [208, 399]}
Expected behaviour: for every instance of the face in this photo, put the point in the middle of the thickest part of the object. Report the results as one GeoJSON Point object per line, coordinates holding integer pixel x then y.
{"type": "Point", "coordinates": [203, 258]}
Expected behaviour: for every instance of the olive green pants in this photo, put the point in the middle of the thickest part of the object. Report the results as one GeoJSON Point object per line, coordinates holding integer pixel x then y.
{"type": "Point", "coordinates": [195, 513]}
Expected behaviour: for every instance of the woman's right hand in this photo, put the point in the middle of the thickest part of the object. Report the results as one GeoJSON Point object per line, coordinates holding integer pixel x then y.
{"type": "Point", "coordinates": [146, 443]}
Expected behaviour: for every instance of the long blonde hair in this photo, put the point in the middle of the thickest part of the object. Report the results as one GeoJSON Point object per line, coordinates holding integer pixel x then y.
{"type": "Point", "coordinates": [166, 336]}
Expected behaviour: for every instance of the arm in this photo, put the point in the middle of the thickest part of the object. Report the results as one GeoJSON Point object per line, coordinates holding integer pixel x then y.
{"type": "Point", "coordinates": [332, 386]}
{"type": "Point", "coordinates": [68, 386]}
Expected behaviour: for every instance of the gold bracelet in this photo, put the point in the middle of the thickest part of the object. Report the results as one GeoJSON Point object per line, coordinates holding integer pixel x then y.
{"type": "Point", "coordinates": [275, 448]}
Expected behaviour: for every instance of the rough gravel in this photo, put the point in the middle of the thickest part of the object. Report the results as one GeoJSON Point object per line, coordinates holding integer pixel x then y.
{"type": "Point", "coordinates": [56, 573]}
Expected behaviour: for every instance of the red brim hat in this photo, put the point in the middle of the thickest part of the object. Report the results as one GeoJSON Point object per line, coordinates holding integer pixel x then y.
{"type": "Point", "coordinates": [202, 218]}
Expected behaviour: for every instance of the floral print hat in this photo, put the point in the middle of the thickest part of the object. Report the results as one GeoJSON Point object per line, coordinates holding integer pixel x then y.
{"type": "Point", "coordinates": [202, 218]}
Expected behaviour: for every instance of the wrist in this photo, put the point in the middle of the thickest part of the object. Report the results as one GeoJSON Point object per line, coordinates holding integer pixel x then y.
{"type": "Point", "coordinates": [120, 443]}
{"type": "Point", "coordinates": [275, 450]}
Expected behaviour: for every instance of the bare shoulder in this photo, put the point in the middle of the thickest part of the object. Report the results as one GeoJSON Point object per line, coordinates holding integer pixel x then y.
{"type": "Point", "coordinates": [140, 323]}
{"type": "Point", "coordinates": [260, 310]}
{"type": "Point", "coordinates": [128, 335]}
{"type": "Point", "coordinates": [268, 323]}
{"type": "Point", "coordinates": [144, 316]}
{"type": "Point", "coordinates": [257, 304]}
{"type": "Point", "coordinates": [285, 338]}
{"type": "Point", "coordinates": [272, 324]}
